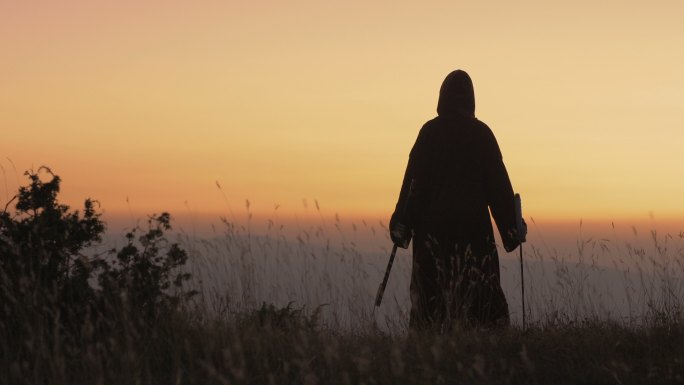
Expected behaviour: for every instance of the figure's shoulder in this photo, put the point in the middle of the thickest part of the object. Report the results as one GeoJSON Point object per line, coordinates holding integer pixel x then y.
{"type": "Point", "coordinates": [480, 124]}
{"type": "Point", "coordinates": [483, 129]}
{"type": "Point", "coordinates": [487, 138]}
{"type": "Point", "coordinates": [429, 128]}
{"type": "Point", "coordinates": [431, 124]}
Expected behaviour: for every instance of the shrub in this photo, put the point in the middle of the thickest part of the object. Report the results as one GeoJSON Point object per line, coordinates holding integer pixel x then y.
{"type": "Point", "coordinates": [54, 297]}
{"type": "Point", "coordinates": [43, 274]}
{"type": "Point", "coordinates": [147, 274]}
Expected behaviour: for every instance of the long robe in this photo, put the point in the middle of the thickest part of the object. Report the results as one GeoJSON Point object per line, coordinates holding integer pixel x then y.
{"type": "Point", "coordinates": [457, 176]}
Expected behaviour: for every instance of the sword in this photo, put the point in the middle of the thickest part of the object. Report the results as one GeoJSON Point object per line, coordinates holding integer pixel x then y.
{"type": "Point", "coordinates": [383, 285]}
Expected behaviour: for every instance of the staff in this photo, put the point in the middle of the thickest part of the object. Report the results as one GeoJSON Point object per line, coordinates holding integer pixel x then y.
{"type": "Point", "coordinates": [521, 238]}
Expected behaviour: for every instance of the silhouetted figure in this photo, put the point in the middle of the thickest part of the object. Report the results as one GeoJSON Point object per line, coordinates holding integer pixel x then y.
{"type": "Point", "coordinates": [455, 175]}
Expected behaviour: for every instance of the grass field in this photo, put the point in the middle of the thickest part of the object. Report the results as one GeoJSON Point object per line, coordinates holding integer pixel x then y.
{"type": "Point", "coordinates": [284, 346]}
{"type": "Point", "coordinates": [296, 308]}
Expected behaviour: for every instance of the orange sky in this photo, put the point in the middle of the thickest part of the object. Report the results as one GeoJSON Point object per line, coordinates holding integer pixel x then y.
{"type": "Point", "coordinates": [280, 101]}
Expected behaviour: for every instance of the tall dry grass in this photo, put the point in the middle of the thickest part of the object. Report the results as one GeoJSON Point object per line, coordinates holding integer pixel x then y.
{"type": "Point", "coordinates": [629, 281]}
{"type": "Point", "coordinates": [295, 306]}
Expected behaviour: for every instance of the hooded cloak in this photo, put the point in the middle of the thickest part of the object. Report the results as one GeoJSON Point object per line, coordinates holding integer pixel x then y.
{"type": "Point", "coordinates": [458, 177]}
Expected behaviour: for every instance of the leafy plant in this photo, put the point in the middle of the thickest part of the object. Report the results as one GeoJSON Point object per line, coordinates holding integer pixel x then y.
{"type": "Point", "coordinates": [146, 271]}
{"type": "Point", "coordinates": [50, 287]}
{"type": "Point", "coordinates": [44, 275]}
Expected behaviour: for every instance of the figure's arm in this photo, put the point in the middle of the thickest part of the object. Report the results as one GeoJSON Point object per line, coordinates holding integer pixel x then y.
{"type": "Point", "coordinates": [399, 215]}
{"type": "Point", "coordinates": [401, 223]}
{"type": "Point", "coordinates": [500, 193]}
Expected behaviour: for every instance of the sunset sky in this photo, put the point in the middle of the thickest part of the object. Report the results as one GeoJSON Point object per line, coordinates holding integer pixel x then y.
{"type": "Point", "coordinates": [145, 105]}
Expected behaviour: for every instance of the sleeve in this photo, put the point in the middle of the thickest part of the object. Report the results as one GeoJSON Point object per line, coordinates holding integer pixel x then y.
{"type": "Point", "coordinates": [402, 212]}
{"type": "Point", "coordinates": [499, 193]}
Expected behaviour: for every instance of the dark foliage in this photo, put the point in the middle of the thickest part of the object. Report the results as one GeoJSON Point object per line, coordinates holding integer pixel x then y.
{"type": "Point", "coordinates": [51, 291]}
{"type": "Point", "coordinates": [146, 273]}
{"type": "Point", "coordinates": [286, 319]}
{"type": "Point", "coordinates": [44, 277]}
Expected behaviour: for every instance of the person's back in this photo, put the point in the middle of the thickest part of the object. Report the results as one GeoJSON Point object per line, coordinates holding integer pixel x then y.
{"type": "Point", "coordinates": [457, 175]}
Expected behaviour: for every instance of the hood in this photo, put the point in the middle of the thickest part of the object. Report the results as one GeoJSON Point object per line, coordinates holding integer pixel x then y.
{"type": "Point", "coordinates": [457, 96]}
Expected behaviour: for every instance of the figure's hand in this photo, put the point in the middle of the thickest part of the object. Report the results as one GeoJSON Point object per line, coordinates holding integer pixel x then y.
{"type": "Point", "coordinates": [401, 235]}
